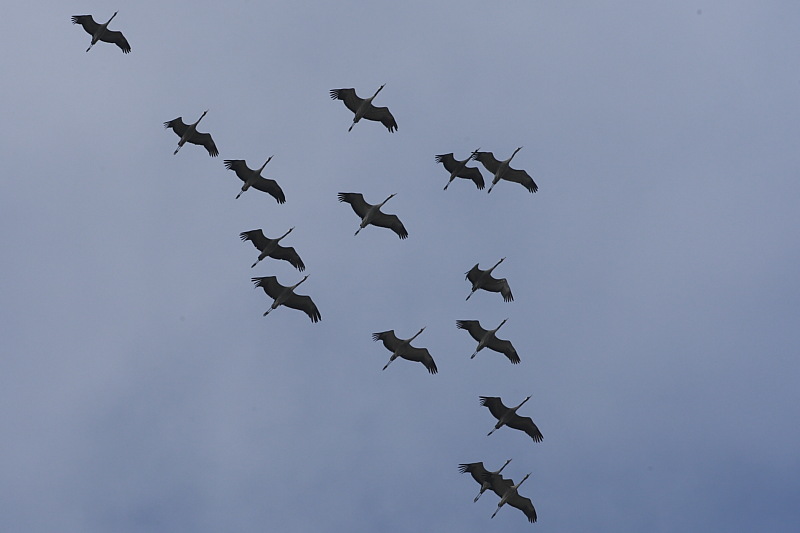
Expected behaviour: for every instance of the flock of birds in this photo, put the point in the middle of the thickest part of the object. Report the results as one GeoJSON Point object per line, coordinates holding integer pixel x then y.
{"type": "Point", "coordinates": [371, 214]}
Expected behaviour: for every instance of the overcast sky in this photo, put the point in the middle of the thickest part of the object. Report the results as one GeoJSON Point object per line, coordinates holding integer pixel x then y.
{"type": "Point", "coordinates": [655, 273]}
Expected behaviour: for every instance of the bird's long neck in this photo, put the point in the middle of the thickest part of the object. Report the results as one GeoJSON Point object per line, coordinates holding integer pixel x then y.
{"type": "Point", "coordinates": [201, 118]}
{"type": "Point", "coordinates": [495, 265]}
{"type": "Point", "coordinates": [512, 155]}
{"type": "Point", "coordinates": [474, 154]}
{"type": "Point", "coordinates": [293, 287]}
{"type": "Point", "coordinates": [502, 467]}
{"type": "Point", "coordinates": [387, 199]}
{"type": "Point", "coordinates": [265, 164]}
{"type": "Point", "coordinates": [416, 335]}
{"type": "Point", "coordinates": [109, 20]}
{"type": "Point", "coordinates": [520, 405]}
{"type": "Point", "coordinates": [500, 326]}
{"type": "Point", "coordinates": [376, 92]}
{"type": "Point", "coordinates": [515, 487]}
{"type": "Point", "coordinates": [285, 234]}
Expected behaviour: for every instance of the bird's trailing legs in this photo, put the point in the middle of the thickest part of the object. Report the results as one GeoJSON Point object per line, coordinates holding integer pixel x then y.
{"type": "Point", "coordinates": [392, 358]}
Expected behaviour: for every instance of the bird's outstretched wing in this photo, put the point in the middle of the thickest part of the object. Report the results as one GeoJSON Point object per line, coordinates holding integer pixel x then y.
{"type": "Point", "coordinates": [472, 173]}
{"type": "Point", "coordinates": [204, 140]}
{"type": "Point", "coordinates": [287, 253]}
{"type": "Point", "coordinates": [237, 165]}
{"type": "Point", "coordinates": [488, 160]}
{"type": "Point", "coordinates": [270, 187]}
{"type": "Point", "coordinates": [87, 22]}
{"type": "Point", "coordinates": [382, 115]}
{"type": "Point", "coordinates": [257, 237]}
{"type": "Point", "coordinates": [349, 97]}
{"type": "Point", "coordinates": [305, 304]}
{"type": "Point", "coordinates": [448, 160]}
{"type": "Point", "coordinates": [270, 285]}
{"type": "Point", "coordinates": [116, 37]}
{"type": "Point", "coordinates": [525, 423]}
{"type": "Point", "coordinates": [177, 125]}
{"type": "Point", "coordinates": [495, 406]}
{"type": "Point", "coordinates": [523, 504]}
{"type": "Point", "coordinates": [474, 273]}
{"type": "Point", "coordinates": [493, 284]}
{"type": "Point", "coordinates": [421, 355]}
{"type": "Point", "coordinates": [356, 201]}
{"type": "Point", "coordinates": [389, 339]}
{"type": "Point", "coordinates": [504, 347]}
{"type": "Point", "coordinates": [521, 177]}
{"type": "Point", "coordinates": [476, 470]}
{"type": "Point", "coordinates": [473, 327]}
{"type": "Point", "coordinates": [392, 222]}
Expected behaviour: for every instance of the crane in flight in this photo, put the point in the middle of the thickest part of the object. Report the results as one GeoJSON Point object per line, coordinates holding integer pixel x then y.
{"type": "Point", "coordinates": [189, 133]}
{"type": "Point", "coordinates": [270, 248]}
{"type": "Point", "coordinates": [482, 279]}
{"type": "Point", "coordinates": [486, 339]}
{"type": "Point", "coordinates": [507, 490]}
{"type": "Point", "coordinates": [100, 32]}
{"type": "Point", "coordinates": [372, 214]}
{"type": "Point", "coordinates": [252, 178]}
{"type": "Point", "coordinates": [402, 348]}
{"type": "Point", "coordinates": [507, 416]}
{"type": "Point", "coordinates": [363, 108]}
{"type": "Point", "coordinates": [459, 169]}
{"type": "Point", "coordinates": [502, 170]}
{"type": "Point", "coordinates": [481, 475]}
{"type": "Point", "coordinates": [286, 296]}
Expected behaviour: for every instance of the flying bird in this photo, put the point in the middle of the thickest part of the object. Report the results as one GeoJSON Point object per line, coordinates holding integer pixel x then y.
{"type": "Point", "coordinates": [100, 32]}
{"type": "Point", "coordinates": [363, 108]}
{"type": "Point", "coordinates": [459, 169]}
{"type": "Point", "coordinates": [482, 279]}
{"type": "Point", "coordinates": [190, 134]}
{"type": "Point", "coordinates": [371, 214]}
{"type": "Point", "coordinates": [481, 475]}
{"type": "Point", "coordinates": [486, 339]}
{"type": "Point", "coordinates": [507, 490]}
{"type": "Point", "coordinates": [508, 417]}
{"type": "Point", "coordinates": [502, 170]}
{"type": "Point", "coordinates": [270, 248]}
{"type": "Point", "coordinates": [286, 296]}
{"type": "Point", "coordinates": [252, 178]}
{"type": "Point", "coordinates": [402, 348]}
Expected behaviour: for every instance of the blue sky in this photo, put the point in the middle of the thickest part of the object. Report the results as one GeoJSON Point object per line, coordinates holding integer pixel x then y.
{"type": "Point", "coordinates": [654, 273]}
